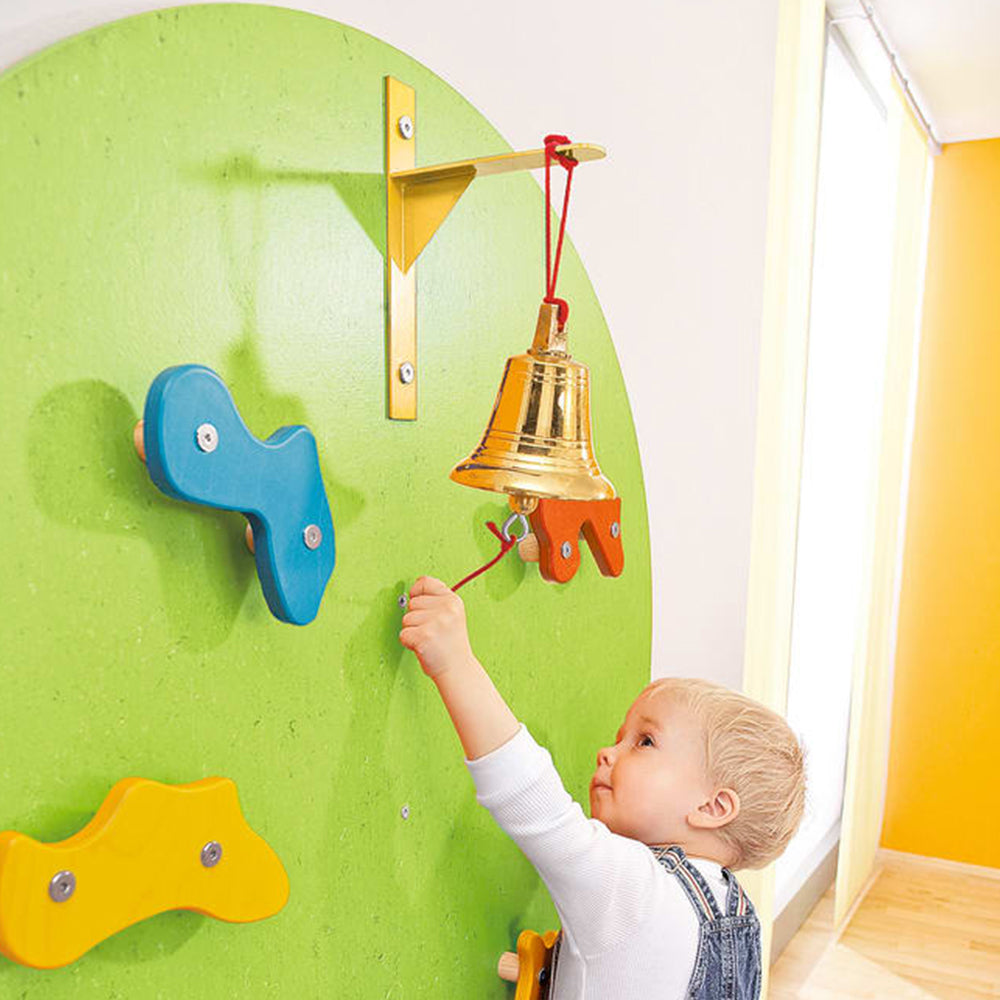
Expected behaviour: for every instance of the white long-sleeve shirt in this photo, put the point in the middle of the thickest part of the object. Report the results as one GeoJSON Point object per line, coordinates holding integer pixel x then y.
{"type": "Point", "coordinates": [629, 931]}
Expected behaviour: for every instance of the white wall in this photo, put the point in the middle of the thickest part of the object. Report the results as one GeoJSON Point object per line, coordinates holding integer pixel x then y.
{"type": "Point", "coordinates": [670, 228]}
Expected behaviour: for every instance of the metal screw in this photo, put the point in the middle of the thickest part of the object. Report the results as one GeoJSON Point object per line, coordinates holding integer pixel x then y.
{"type": "Point", "coordinates": [406, 373]}
{"type": "Point", "coordinates": [616, 529]}
{"type": "Point", "coordinates": [207, 437]}
{"type": "Point", "coordinates": [62, 886]}
{"type": "Point", "coordinates": [405, 812]}
{"type": "Point", "coordinates": [312, 536]}
{"type": "Point", "coordinates": [211, 854]}
{"type": "Point", "coordinates": [405, 125]}
{"type": "Point", "coordinates": [403, 601]}
{"type": "Point", "coordinates": [566, 550]}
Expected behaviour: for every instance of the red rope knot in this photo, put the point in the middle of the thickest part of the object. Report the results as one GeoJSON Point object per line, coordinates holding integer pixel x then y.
{"type": "Point", "coordinates": [563, 309]}
{"type": "Point", "coordinates": [506, 544]}
{"type": "Point", "coordinates": [551, 141]}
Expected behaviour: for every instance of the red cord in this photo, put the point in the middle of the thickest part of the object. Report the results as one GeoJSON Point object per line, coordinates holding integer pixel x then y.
{"type": "Point", "coordinates": [506, 544]}
{"type": "Point", "coordinates": [552, 274]}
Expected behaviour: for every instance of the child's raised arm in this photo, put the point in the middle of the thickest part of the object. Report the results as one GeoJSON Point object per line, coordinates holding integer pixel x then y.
{"type": "Point", "coordinates": [598, 881]}
{"type": "Point", "coordinates": [434, 628]}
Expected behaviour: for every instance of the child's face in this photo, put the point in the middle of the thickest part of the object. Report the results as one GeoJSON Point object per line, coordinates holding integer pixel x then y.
{"type": "Point", "coordinates": [646, 785]}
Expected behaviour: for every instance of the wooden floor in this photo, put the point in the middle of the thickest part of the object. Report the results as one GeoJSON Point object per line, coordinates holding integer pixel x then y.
{"type": "Point", "coordinates": [925, 930]}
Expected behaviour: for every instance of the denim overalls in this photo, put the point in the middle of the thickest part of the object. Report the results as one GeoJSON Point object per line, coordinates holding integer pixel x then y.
{"type": "Point", "coordinates": [727, 965]}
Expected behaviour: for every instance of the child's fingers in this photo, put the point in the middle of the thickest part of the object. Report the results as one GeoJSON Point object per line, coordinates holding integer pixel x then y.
{"type": "Point", "coordinates": [409, 637]}
{"type": "Point", "coordinates": [424, 602]}
{"type": "Point", "coordinates": [413, 618]}
{"type": "Point", "coordinates": [429, 585]}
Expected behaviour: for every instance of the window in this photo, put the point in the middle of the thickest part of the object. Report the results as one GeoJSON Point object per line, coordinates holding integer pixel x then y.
{"type": "Point", "coordinates": [843, 411]}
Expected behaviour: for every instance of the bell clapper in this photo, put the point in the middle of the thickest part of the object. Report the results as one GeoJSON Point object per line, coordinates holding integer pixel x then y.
{"type": "Point", "coordinates": [527, 548]}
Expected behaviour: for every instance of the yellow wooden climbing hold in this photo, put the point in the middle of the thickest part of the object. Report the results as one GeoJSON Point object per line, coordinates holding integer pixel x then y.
{"type": "Point", "coordinates": [531, 967]}
{"type": "Point", "coordinates": [150, 848]}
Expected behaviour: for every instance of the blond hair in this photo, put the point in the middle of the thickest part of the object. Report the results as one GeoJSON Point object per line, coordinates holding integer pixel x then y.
{"type": "Point", "coordinates": [752, 750]}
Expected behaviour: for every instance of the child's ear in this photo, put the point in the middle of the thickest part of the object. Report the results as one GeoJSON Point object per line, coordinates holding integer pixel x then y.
{"type": "Point", "coordinates": [717, 811]}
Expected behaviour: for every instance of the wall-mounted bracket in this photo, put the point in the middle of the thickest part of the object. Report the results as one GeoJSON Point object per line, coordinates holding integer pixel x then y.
{"type": "Point", "coordinates": [417, 202]}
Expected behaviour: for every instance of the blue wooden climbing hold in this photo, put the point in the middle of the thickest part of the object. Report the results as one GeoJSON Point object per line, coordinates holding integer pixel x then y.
{"type": "Point", "coordinates": [198, 449]}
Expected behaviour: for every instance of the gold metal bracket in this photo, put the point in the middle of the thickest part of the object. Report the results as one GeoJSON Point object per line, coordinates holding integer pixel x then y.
{"type": "Point", "coordinates": [417, 202]}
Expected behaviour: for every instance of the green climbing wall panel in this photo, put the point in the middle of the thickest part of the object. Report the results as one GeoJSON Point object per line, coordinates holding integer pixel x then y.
{"type": "Point", "coordinates": [204, 185]}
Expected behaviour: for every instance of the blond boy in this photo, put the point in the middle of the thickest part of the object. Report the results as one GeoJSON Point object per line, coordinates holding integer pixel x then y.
{"type": "Point", "coordinates": [699, 781]}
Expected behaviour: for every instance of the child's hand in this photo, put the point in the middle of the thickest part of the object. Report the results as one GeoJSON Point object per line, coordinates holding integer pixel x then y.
{"type": "Point", "coordinates": [434, 627]}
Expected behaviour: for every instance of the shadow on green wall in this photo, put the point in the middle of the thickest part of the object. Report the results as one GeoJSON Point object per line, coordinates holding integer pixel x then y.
{"type": "Point", "coordinates": [151, 939]}
{"type": "Point", "coordinates": [506, 576]}
{"type": "Point", "coordinates": [86, 475]}
{"type": "Point", "coordinates": [363, 194]}
{"type": "Point", "coordinates": [243, 238]}
{"type": "Point", "coordinates": [373, 679]}
{"type": "Point", "coordinates": [133, 944]}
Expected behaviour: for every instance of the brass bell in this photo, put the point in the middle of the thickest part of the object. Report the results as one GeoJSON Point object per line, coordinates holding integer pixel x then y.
{"type": "Point", "coordinates": [538, 441]}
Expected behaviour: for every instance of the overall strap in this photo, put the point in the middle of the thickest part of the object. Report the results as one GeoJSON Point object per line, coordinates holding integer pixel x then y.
{"type": "Point", "coordinates": [737, 902]}
{"type": "Point", "coordinates": [692, 881]}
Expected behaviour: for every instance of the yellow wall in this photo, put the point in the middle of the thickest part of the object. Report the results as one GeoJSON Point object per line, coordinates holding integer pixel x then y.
{"type": "Point", "coordinates": [945, 747]}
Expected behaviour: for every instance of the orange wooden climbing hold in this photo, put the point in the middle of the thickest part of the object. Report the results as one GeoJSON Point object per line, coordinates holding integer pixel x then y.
{"type": "Point", "coordinates": [558, 525]}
